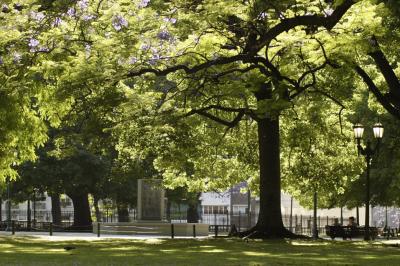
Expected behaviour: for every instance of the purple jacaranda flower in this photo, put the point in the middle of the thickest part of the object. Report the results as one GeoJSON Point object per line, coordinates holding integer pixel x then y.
{"type": "Point", "coordinates": [145, 47]}
{"type": "Point", "coordinates": [88, 17]}
{"type": "Point", "coordinates": [132, 60]}
{"type": "Point", "coordinates": [5, 8]}
{"type": "Point", "coordinates": [38, 16]}
{"type": "Point", "coordinates": [170, 20]}
{"type": "Point", "coordinates": [83, 4]}
{"type": "Point", "coordinates": [164, 35]}
{"type": "Point", "coordinates": [57, 22]}
{"type": "Point", "coordinates": [33, 42]}
{"type": "Point", "coordinates": [328, 11]}
{"type": "Point", "coordinates": [263, 15]}
{"type": "Point", "coordinates": [71, 12]}
{"type": "Point", "coordinates": [43, 49]}
{"type": "Point", "coordinates": [1, 60]}
{"type": "Point", "coordinates": [18, 6]}
{"type": "Point", "coordinates": [143, 3]}
{"type": "Point", "coordinates": [118, 22]}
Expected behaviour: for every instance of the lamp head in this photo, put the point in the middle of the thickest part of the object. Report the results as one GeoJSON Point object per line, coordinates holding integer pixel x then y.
{"type": "Point", "coordinates": [358, 131]}
{"type": "Point", "coordinates": [378, 130]}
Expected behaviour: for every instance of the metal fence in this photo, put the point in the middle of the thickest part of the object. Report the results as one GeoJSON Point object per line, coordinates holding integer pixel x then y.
{"type": "Point", "coordinates": [299, 224]}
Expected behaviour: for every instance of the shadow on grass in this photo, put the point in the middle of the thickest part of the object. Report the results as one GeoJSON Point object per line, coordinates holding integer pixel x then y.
{"type": "Point", "coordinates": [34, 251]}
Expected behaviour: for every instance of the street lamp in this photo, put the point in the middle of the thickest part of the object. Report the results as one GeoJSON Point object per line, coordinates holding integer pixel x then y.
{"type": "Point", "coordinates": [368, 151]}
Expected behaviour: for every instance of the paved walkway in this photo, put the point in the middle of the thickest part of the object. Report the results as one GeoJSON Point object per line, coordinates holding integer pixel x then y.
{"type": "Point", "coordinates": [64, 236]}
{"type": "Point", "coordinates": [69, 236]}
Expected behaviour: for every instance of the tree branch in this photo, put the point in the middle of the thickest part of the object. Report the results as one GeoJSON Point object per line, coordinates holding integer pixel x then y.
{"type": "Point", "coordinates": [386, 103]}
{"type": "Point", "coordinates": [230, 124]}
{"type": "Point", "coordinates": [387, 72]}
{"type": "Point", "coordinates": [327, 22]}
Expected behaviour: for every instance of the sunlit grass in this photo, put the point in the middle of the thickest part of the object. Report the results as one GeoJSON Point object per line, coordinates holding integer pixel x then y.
{"type": "Point", "coordinates": [210, 252]}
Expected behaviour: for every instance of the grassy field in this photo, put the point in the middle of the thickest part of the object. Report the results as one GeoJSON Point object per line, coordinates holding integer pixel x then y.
{"type": "Point", "coordinates": [34, 251]}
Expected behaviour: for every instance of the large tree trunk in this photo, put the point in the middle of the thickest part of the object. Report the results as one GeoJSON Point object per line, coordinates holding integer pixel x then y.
{"type": "Point", "coordinates": [82, 219]}
{"type": "Point", "coordinates": [269, 224]}
{"type": "Point", "coordinates": [56, 208]}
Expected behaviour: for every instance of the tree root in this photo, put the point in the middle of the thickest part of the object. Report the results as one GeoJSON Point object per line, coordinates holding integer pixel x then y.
{"type": "Point", "coordinates": [256, 233]}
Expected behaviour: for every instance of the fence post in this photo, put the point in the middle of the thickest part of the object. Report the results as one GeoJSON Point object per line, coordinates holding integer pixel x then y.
{"type": "Point", "coordinates": [301, 224]}
{"type": "Point", "coordinates": [327, 220]}
{"type": "Point", "coordinates": [216, 230]}
{"type": "Point", "coordinates": [13, 227]}
{"type": "Point", "coordinates": [194, 230]}
{"type": "Point", "coordinates": [172, 231]}
{"type": "Point", "coordinates": [51, 229]}
{"type": "Point", "coordinates": [98, 229]}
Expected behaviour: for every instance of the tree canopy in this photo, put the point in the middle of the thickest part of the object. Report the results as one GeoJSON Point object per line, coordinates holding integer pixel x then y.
{"type": "Point", "coordinates": [217, 91]}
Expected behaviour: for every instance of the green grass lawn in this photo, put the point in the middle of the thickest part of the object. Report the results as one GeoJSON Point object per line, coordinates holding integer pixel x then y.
{"type": "Point", "coordinates": [33, 251]}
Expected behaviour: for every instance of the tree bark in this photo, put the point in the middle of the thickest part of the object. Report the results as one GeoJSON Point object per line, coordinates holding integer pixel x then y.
{"type": "Point", "coordinates": [168, 210]}
{"type": "Point", "coordinates": [82, 219]}
{"type": "Point", "coordinates": [269, 224]}
{"type": "Point", "coordinates": [29, 215]}
{"type": "Point", "coordinates": [96, 208]}
{"type": "Point", "coordinates": [56, 208]}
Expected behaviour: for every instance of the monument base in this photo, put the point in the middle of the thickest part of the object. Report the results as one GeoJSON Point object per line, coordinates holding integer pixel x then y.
{"type": "Point", "coordinates": [151, 228]}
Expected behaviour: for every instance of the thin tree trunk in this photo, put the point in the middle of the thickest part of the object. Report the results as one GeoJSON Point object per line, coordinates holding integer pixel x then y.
{"type": "Point", "coordinates": [82, 219]}
{"type": "Point", "coordinates": [168, 210]}
{"type": "Point", "coordinates": [56, 208]}
{"type": "Point", "coordinates": [29, 215]}
{"type": "Point", "coordinates": [315, 227]}
{"type": "Point", "coordinates": [96, 208]}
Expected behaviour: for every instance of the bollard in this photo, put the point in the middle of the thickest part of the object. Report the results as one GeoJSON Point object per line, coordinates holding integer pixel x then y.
{"type": "Point", "coordinates": [216, 231]}
{"type": "Point", "coordinates": [98, 229]}
{"type": "Point", "coordinates": [194, 230]}
{"type": "Point", "coordinates": [13, 227]}
{"type": "Point", "coordinates": [172, 231]}
{"type": "Point", "coordinates": [51, 229]}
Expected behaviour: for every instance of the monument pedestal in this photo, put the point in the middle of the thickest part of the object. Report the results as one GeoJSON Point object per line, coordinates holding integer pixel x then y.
{"type": "Point", "coordinates": [151, 228]}
{"type": "Point", "coordinates": [151, 216]}
{"type": "Point", "coordinates": [150, 200]}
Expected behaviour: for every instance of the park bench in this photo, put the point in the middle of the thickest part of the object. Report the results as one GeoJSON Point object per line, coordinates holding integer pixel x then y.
{"type": "Point", "coordinates": [389, 232]}
{"type": "Point", "coordinates": [350, 232]}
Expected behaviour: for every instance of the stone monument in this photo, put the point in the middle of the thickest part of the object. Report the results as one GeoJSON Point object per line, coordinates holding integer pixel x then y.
{"type": "Point", "coordinates": [150, 218]}
{"type": "Point", "coordinates": [150, 200]}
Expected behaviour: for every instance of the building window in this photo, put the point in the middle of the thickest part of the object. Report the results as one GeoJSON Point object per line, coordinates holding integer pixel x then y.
{"type": "Point", "coordinates": [215, 209]}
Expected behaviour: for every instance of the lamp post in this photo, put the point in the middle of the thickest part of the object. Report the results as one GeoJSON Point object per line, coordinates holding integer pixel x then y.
{"type": "Point", "coordinates": [8, 228]}
{"type": "Point", "coordinates": [368, 151]}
